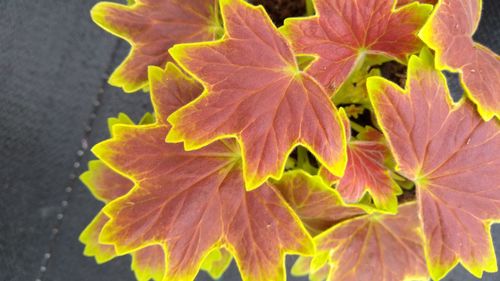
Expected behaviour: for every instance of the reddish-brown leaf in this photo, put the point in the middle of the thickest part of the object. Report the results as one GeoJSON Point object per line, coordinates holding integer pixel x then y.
{"type": "Point", "coordinates": [359, 245]}
{"type": "Point", "coordinates": [374, 247]}
{"type": "Point", "coordinates": [107, 185]}
{"type": "Point", "coordinates": [318, 206]}
{"type": "Point", "coordinates": [152, 27]}
{"type": "Point", "coordinates": [366, 170]}
{"type": "Point", "coordinates": [452, 155]}
{"type": "Point", "coordinates": [449, 32]}
{"type": "Point", "coordinates": [343, 31]}
{"type": "Point", "coordinates": [255, 92]}
{"type": "Point", "coordinates": [193, 202]}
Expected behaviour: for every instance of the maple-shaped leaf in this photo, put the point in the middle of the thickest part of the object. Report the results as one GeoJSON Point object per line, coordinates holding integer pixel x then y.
{"type": "Point", "coordinates": [449, 32]}
{"type": "Point", "coordinates": [343, 31]}
{"type": "Point", "coordinates": [452, 156]}
{"type": "Point", "coordinates": [152, 27]}
{"type": "Point", "coordinates": [193, 202]}
{"type": "Point", "coordinates": [256, 93]}
{"type": "Point", "coordinates": [377, 247]}
{"type": "Point", "coordinates": [107, 185]}
{"type": "Point", "coordinates": [147, 263]}
{"type": "Point", "coordinates": [318, 206]}
{"type": "Point", "coordinates": [366, 170]}
{"type": "Point", "coordinates": [359, 243]}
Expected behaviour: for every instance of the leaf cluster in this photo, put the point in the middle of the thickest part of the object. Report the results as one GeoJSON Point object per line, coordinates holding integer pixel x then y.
{"type": "Point", "coordinates": [333, 137]}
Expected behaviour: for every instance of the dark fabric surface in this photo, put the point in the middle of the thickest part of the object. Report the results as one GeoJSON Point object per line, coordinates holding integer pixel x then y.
{"type": "Point", "coordinates": [54, 103]}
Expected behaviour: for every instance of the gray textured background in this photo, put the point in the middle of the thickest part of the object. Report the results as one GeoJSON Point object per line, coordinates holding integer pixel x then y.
{"type": "Point", "coordinates": [54, 103]}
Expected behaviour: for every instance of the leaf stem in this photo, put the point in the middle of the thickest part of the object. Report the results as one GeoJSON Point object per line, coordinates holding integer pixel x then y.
{"type": "Point", "coordinates": [356, 127]}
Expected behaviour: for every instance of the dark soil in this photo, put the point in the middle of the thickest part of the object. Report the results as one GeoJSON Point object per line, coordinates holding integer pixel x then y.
{"type": "Point", "coordinates": [394, 71]}
{"type": "Point", "coordinates": [279, 10]}
{"type": "Point", "coordinates": [407, 196]}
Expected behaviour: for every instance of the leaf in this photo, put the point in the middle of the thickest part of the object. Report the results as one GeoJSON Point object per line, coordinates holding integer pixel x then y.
{"type": "Point", "coordinates": [366, 170]}
{"type": "Point", "coordinates": [147, 118]}
{"type": "Point", "coordinates": [318, 206]}
{"type": "Point", "coordinates": [394, 238]}
{"type": "Point", "coordinates": [107, 185]}
{"type": "Point", "coordinates": [256, 93]}
{"type": "Point", "coordinates": [452, 156]}
{"type": "Point", "coordinates": [302, 267]}
{"type": "Point", "coordinates": [192, 202]}
{"type": "Point", "coordinates": [353, 90]}
{"type": "Point", "coordinates": [149, 263]}
{"type": "Point", "coordinates": [449, 32]}
{"type": "Point", "coordinates": [90, 238]}
{"type": "Point", "coordinates": [377, 247]}
{"type": "Point", "coordinates": [174, 90]}
{"type": "Point", "coordinates": [122, 118]}
{"type": "Point", "coordinates": [216, 263]}
{"type": "Point", "coordinates": [343, 32]}
{"type": "Point", "coordinates": [104, 183]}
{"type": "Point", "coordinates": [152, 27]}
{"type": "Point", "coordinates": [406, 2]}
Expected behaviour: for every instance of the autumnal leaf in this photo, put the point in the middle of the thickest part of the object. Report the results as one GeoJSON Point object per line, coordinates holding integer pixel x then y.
{"type": "Point", "coordinates": [256, 93]}
{"type": "Point", "coordinates": [343, 31]}
{"type": "Point", "coordinates": [318, 206]}
{"type": "Point", "coordinates": [452, 156]}
{"type": "Point", "coordinates": [152, 27]}
{"type": "Point", "coordinates": [107, 185]}
{"type": "Point", "coordinates": [393, 238]}
{"type": "Point", "coordinates": [147, 263]}
{"type": "Point", "coordinates": [377, 247]}
{"type": "Point", "coordinates": [192, 202]}
{"type": "Point", "coordinates": [449, 32]}
{"type": "Point", "coordinates": [366, 170]}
